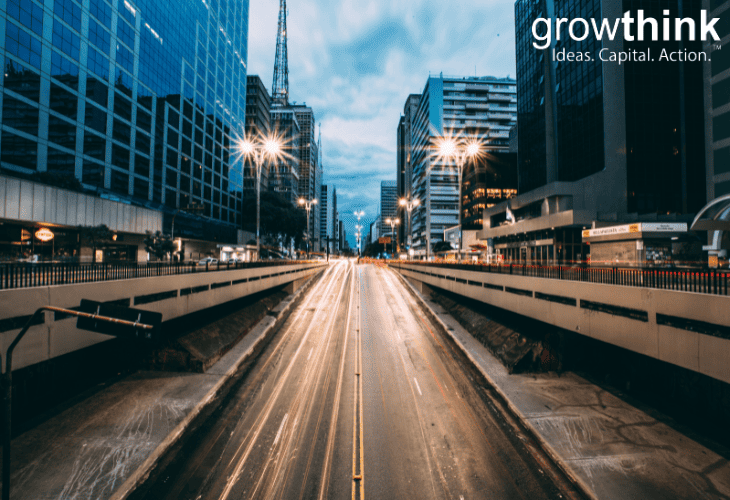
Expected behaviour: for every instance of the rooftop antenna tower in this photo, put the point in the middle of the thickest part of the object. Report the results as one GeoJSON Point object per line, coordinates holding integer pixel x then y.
{"type": "Point", "coordinates": [280, 88]}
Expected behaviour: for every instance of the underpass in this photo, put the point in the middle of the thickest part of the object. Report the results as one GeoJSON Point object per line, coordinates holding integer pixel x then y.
{"type": "Point", "coordinates": [358, 395]}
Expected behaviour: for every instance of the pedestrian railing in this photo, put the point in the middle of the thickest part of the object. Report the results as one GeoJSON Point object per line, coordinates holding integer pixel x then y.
{"type": "Point", "coordinates": [709, 281]}
{"type": "Point", "coordinates": [24, 275]}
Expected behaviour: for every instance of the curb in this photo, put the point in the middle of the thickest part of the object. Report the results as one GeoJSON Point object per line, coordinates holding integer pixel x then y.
{"type": "Point", "coordinates": [546, 447]}
{"type": "Point", "coordinates": [141, 474]}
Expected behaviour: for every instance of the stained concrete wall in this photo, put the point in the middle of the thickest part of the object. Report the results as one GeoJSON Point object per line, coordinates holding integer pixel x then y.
{"type": "Point", "coordinates": [55, 338]}
{"type": "Point", "coordinates": [708, 354]}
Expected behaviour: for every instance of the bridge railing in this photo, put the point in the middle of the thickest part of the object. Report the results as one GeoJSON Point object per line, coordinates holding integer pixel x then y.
{"type": "Point", "coordinates": [691, 280]}
{"type": "Point", "coordinates": [24, 275]}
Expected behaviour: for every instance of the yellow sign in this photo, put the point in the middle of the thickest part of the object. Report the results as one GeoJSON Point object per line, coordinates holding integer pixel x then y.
{"type": "Point", "coordinates": [384, 240]}
{"type": "Point", "coordinates": [713, 263]}
{"type": "Point", "coordinates": [586, 233]}
{"type": "Point", "coordinates": [24, 235]}
{"type": "Point", "coordinates": [44, 234]}
{"type": "Point", "coordinates": [635, 228]}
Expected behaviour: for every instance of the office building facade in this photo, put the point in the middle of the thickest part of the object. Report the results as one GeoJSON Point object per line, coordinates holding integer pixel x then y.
{"type": "Point", "coordinates": [284, 172]}
{"type": "Point", "coordinates": [481, 107]}
{"type": "Point", "coordinates": [132, 101]}
{"type": "Point", "coordinates": [308, 156]}
{"type": "Point", "coordinates": [258, 126]}
{"type": "Point", "coordinates": [717, 91]}
{"type": "Point", "coordinates": [388, 205]}
{"type": "Point", "coordinates": [599, 143]}
{"type": "Point", "coordinates": [328, 218]}
{"type": "Point", "coordinates": [404, 166]}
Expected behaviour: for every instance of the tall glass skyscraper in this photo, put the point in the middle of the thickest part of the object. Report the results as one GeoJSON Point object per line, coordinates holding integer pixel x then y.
{"type": "Point", "coordinates": [138, 100]}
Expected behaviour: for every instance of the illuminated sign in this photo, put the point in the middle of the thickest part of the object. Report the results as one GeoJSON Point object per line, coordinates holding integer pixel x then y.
{"type": "Point", "coordinates": [44, 234]}
{"type": "Point", "coordinates": [642, 227]}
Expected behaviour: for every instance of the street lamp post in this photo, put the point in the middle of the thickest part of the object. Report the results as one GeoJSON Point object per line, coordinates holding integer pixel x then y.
{"type": "Point", "coordinates": [460, 151]}
{"type": "Point", "coordinates": [393, 223]}
{"type": "Point", "coordinates": [265, 148]}
{"type": "Point", "coordinates": [409, 204]}
{"type": "Point", "coordinates": [308, 205]}
{"type": "Point", "coordinates": [359, 216]}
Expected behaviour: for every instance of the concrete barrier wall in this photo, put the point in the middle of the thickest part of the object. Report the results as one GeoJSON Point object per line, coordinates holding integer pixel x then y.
{"type": "Point", "coordinates": [697, 339]}
{"type": "Point", "coordinates": [192, 293]}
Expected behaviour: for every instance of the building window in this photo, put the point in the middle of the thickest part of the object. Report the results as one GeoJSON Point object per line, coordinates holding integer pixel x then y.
{"type": "Point", "coordinates": [22, 44]}
{"type": "Point", "coordinates": [69, 12]}
{"type": "Point", "coordinates": [28, 13]}
{"type": "Point", "coordinates": [18, 150]}
{"type": "Point", "coordinates": [98, 64]}
{"type": "Point", "coordinates": [101, 10]}
{"type": "Point", "coordinates": [65, 40]}
{"type": "Point", "coordinates": [99, 36]}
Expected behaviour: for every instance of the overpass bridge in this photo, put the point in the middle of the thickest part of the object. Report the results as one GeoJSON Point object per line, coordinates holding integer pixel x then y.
{"type": "Point", "coordinates": [680, 317]}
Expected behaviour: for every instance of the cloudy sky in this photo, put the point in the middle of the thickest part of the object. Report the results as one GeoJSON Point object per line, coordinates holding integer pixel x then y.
{"type": "Point", "coordinates": [355, 62]}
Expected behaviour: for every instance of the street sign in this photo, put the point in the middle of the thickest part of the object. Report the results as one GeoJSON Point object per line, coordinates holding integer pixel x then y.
{"type": "Point", "coordinates": [384, 240]}
{"type": "Point", "coordinates": [127, 314]}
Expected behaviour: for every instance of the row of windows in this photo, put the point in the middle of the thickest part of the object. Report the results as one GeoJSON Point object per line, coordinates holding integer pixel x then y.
{"type": "Point", "coordinates": [28, 13]}
{"type": "Point", "coordinates": [222, 73]}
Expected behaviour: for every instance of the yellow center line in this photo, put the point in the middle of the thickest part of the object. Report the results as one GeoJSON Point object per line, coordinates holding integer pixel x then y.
{"type": "Point", "coordinates": [358, 405]}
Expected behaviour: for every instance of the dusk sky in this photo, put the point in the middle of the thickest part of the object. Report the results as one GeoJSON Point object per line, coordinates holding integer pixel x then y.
{"type": "Point", "coordinates": [355, 62]}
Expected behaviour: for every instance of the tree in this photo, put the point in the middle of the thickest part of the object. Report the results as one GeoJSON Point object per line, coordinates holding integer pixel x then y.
{"type": "Point", "coordinates": [94, 236]}
{"type": "Point", "coordinates": [158, 244]}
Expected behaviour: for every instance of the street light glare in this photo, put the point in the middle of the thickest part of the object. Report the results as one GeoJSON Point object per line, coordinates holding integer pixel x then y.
{"type": "Point", "coordinates": [447, 148]}
{"type": "Point", "coordinates": [246, 147]}
{"type": "Point", "coordinates": [473, 149]}
{"type": "Point", "coordinates": [301, 201]}
{"type": "Point", "coordinates": [272, 147]}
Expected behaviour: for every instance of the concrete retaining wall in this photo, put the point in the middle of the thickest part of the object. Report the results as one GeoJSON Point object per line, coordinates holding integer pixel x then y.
{"type": "Point", "coordinates": [697, 338]}
{"type": "Point", "coordinates": [178, 296]}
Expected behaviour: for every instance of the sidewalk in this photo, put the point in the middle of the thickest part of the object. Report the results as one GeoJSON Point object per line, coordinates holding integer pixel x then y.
{"type": "Point", "coordinates": [611, 449]}
{"type": "Point", "coordinates": [106, 445]}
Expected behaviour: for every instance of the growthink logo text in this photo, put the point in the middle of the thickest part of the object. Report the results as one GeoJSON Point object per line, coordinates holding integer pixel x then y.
{"type": "Point", "coordinates": [579, 29]}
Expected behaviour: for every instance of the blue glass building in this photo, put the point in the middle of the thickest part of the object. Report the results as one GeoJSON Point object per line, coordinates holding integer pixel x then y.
{"type": "Point", "coordinates": [138, 100]}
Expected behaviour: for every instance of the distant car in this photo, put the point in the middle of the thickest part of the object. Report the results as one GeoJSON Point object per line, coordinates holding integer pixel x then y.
{"type": "Point", "coordinates": [208, 260]}
{"type": "Point", "coordinates": [232, 260]}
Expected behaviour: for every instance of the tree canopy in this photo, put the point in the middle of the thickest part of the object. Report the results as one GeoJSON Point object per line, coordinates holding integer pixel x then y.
{"type": "Point", "coordinates": [158, 244]}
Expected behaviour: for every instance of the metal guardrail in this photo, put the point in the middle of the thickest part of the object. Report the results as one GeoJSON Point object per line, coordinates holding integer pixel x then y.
{"type": "Point", "coordinates": [708, 281]}
{"type": "Point", "coordinates": [26, 275]}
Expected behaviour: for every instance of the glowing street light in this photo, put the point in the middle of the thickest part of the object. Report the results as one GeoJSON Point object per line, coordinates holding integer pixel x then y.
{"type": "Point", "coordinates": [454, 148]}
{"type": "Point", "coordinates": [409, 204]}
{"type": "Point", "coordinates": [259, 149]}
{"type": "Point", "coordinates": [393, 223]}
{"type": "Point", "coordinates": [308, 205]}
{"type": "Point", "coordinates": [359, 216]}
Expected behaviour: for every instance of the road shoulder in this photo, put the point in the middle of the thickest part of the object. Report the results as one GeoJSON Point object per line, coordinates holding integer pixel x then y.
{"type": "Point", "coordinates": [107, 445]}
{"type": "Point", "coordinates": [610, 449]}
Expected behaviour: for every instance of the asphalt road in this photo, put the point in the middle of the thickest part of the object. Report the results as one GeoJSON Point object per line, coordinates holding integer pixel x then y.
{"type": "Point", "coordinates": [357, 396]}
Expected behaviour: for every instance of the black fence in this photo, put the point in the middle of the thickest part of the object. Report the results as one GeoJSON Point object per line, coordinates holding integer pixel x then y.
{"type": "Point", "coordinates": [24, 275]}
{"type": "Point", "coordinates": [709, 281]}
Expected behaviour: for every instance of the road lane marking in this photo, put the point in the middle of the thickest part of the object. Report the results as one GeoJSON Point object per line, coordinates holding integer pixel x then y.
{"type": "Point", "coordinates": [338, 395]}
{"type": "Point", "coordinates": [281, 427]}
{"type": "Point", "coordinates": [417, 386]}
{"type": "Point", "coordinates": [358, 402]}
{"type": "Point", "coordinates": [310, 353]}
